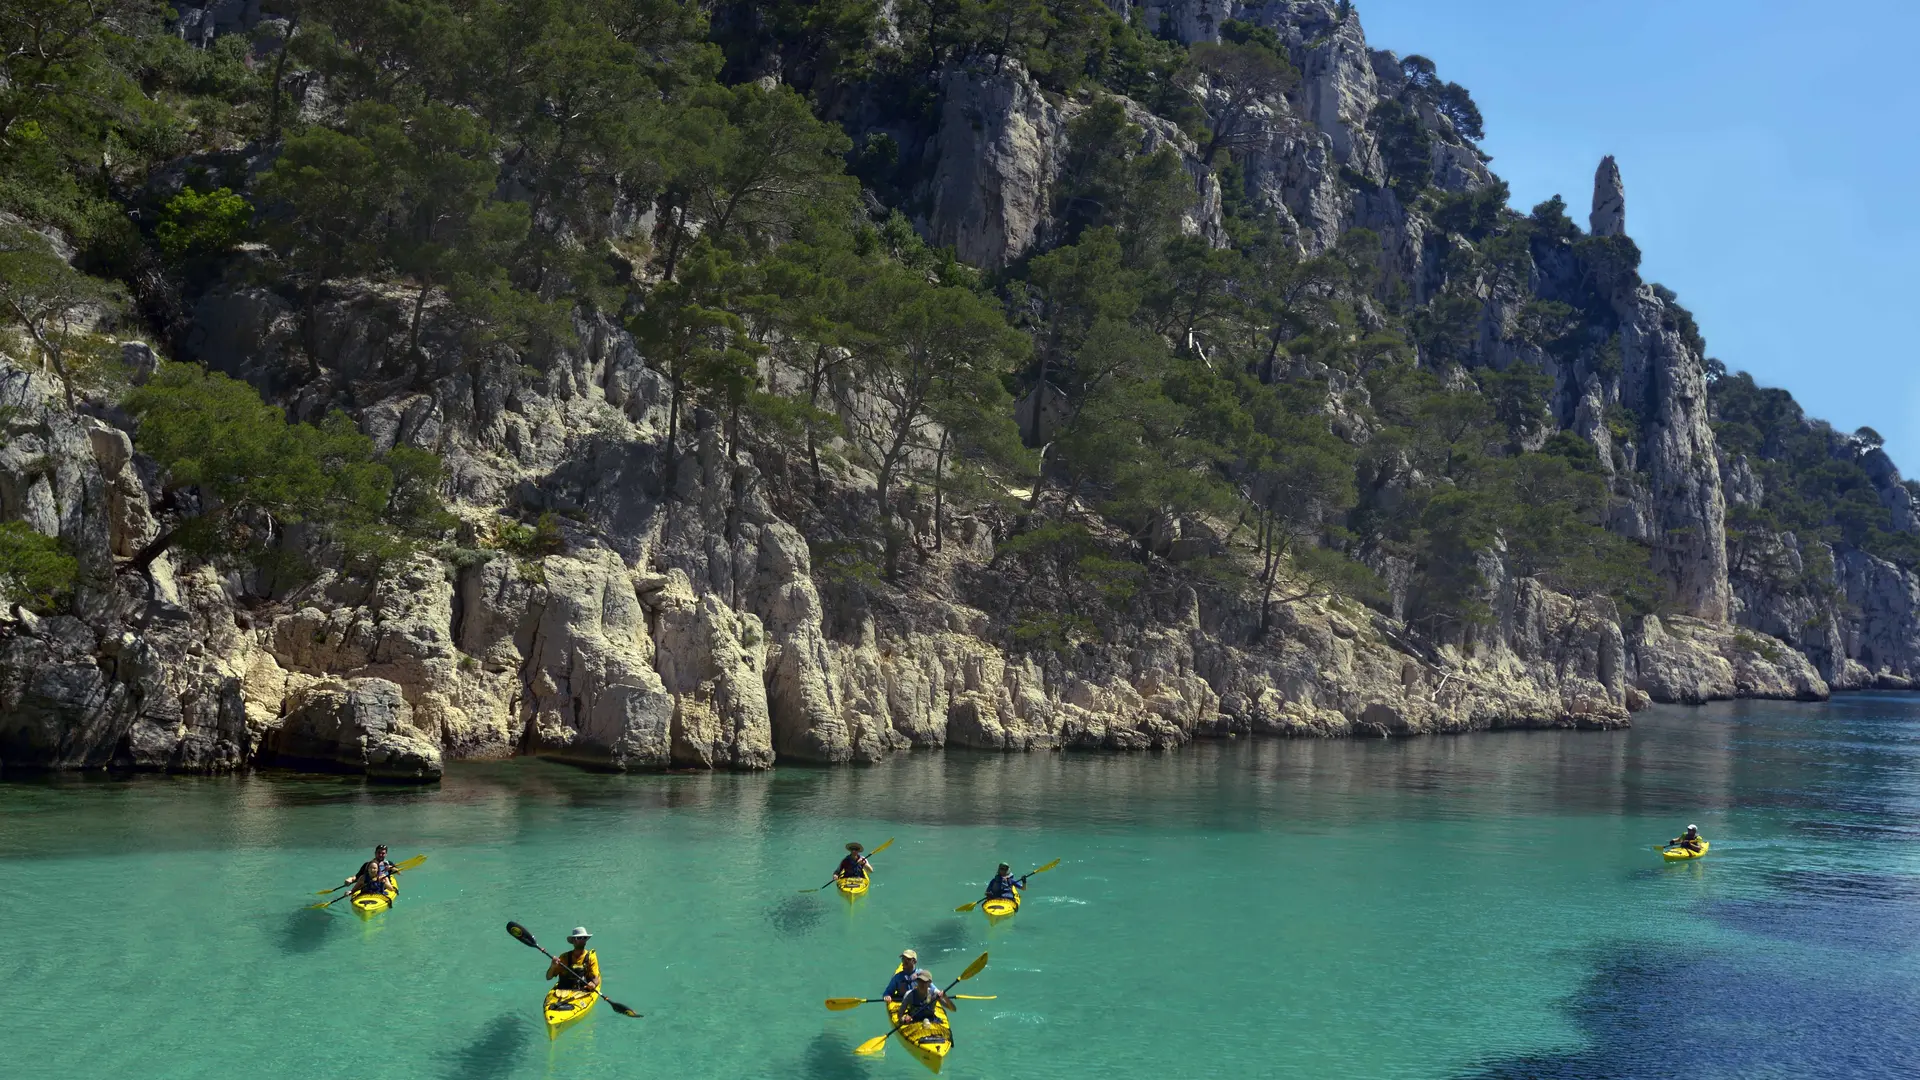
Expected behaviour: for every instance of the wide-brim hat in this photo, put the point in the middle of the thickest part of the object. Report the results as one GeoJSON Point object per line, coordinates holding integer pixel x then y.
{"type": "Point", "coordinates": [579, 932]}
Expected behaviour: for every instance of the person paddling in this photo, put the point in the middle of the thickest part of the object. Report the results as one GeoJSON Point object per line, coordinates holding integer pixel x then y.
{"type": "Point", "coordinates": [854, 865]}
{"type": "Point", "coordinates": [374, 876]}
{"type": "Point", "coordinates": [1003, 886]}
{"type": "Point", "coordinates": [1689, 839]}
{"type": "Point", "coordinates": [902, 980]}
{"type": "Point", "coordinates": [923, 998]}
{"type": "Point", "coordinates": [577, 969]}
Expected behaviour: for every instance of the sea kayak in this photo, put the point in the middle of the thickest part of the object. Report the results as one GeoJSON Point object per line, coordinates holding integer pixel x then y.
{"type": "Point", "coordinates": [851, 887]}
{"type": "Point", "coordinates": [373, 903]}
{"type": "Point", "coordinates": [1678, 853]}
{"type": "Point", "coordinates": [929, 1042]}
{"type": "Point", "coordinates": [1000, 909]}
{"type": "Point", "coordinates": [563, 1007]}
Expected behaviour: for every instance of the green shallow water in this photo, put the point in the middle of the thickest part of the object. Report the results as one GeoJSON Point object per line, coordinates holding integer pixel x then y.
{"type": "Point", "coordinates": [1480, 906]}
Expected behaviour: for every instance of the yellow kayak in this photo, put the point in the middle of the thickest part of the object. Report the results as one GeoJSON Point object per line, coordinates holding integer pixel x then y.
{"type": "Point", "coordinates": [1678, 853]}
{"type": "Point", "coordinates": [929, 1042]}
{"type": "Point", "coordinates": [1000, 909]}
{"type": "Point", "coordinates": [563, 1007]}
{"type": "Point", "coordinates": [851, 887]}
{"type": "Point", "coordinates": [373, 903]}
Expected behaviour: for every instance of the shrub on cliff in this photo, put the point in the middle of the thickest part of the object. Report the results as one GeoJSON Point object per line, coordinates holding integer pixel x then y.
{"type": "Point", "coordinates": [235, 476]}
{"type": "Point", "coordinates": [35, 572]}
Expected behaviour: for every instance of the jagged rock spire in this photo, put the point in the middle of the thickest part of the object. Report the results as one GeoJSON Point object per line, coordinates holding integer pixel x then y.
{"type": "Point", "coordinates": [1609, 217]}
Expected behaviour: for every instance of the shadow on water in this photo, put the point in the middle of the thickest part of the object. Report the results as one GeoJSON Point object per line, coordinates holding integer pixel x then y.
{"type": "Point", "coordinates": [828, 1057]}
{"type": "Point", "coordinates": [796, 915]}
{"type": "Point", "coordinates": [306, 930]}
{"type": "Point", "coordinates": [494, 1053]}
{"type": "Point", "coordinates": [1650, 1012]}
{"type": "Point", "coordinates": [947, 935]}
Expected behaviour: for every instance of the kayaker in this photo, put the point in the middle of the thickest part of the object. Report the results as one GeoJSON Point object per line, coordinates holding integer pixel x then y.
{"type": "Point", "coordinates": [1003, 886]}
{"type": "Point", "coordinates": [855, 864]}
{"type": "Point", "coordinates": [375, 875]}
{"type": "Point", "coordinates": [577, 969]}
{"type": "Point", "coordinates": [921, 1000]}
{"type": "Point", "coordinates": [903, 979]}
{"type": "Point", "coordinates": [1689, 839]}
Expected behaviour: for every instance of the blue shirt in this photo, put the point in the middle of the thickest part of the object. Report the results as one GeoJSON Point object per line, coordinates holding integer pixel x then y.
{"type": "Point", "coordinates": [1001, 888]}
{"type": "Point", "coordinates": [897, 988]}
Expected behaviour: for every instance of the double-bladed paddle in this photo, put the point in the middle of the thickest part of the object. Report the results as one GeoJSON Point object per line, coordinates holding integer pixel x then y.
{"type": "Point", "coordinates": [1023, 884]}
{"type": "Point", "coordinates": [525, 937]}
{"type": "Point", "coordinates": [836, 877]}
{"type": "Point", "coordinates": [874, 1046]}
{"type": "Point", "coordinates": [843, 1004]}
{"type": "Point", "coordinates": [410, 864]}
{"type": "Point", "coordinates": [397, 867]}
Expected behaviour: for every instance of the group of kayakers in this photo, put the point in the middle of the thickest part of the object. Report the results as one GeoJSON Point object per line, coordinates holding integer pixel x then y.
{"type": "Point", "coordinates": [911, 988]}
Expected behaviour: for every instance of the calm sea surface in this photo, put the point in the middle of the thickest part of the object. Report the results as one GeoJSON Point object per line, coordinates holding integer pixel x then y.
{"type": "Point", "coordinates": [1475, 907]}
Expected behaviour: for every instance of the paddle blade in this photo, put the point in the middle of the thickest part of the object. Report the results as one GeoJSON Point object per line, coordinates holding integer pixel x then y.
{"type": "Point", "coordinates": [881, 848]}
{"type": "Point", "coordinates": [321, 904]}
{"type": "Point", "coordinates": [619, 1008]}
{"type": "Point", "coordinates": [524, 936]}
{"type": "Point", "coordinates": [973, 968]}
{"type": "Point", "coordinates": [410, 864]}
{"type": "Point", "coordinates": [843, 1004]}
{"type": "Point", "coordinates": [966, 907]}
{"type": "Point", "coordinates": [1041, 870]}
{"type": "Point", "coordinates": [975, 997]}
{"type": "Point", "coordinates": [872, 1046]}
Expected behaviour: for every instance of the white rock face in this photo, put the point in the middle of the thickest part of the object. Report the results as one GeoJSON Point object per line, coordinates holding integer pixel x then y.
{"type": "Point", "coordinates": [999, 146]}
{"type": "Point", "coordinates": [1664, 382]}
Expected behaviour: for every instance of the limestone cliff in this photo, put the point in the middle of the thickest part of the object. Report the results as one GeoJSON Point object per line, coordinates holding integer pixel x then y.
{"type": "Point", "coordinates": [696, 613]}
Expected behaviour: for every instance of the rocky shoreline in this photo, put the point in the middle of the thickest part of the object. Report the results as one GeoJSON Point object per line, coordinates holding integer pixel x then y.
{"type": "Point", "coordinates": [705, 619]}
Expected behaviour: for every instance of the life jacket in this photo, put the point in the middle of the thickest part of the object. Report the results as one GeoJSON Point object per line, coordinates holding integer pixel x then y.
{"type": "Point", "coordinates": [588, 964]}
{"type": "Point", "coordinates": [850, 867]}
{"type": "Point", "coordinates": [1001, 888]}
{"type": "Point", "coordinates": [374, 877]}
{"type": "Point", "coordinates": [919, 1004]}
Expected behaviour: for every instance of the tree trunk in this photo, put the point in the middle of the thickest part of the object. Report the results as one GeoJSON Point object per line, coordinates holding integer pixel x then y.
{"type": "Point", "coordinates": [413, 331]}
{"type": "Point", "coordinates": [939, 524]}
{"type": "Point", "coordinates": [279, 74]}
{"type": "Point", "coordinates": [813, 403]}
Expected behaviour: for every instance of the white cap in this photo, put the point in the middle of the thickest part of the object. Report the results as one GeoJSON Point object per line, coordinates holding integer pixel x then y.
{"type": "Point", "coordinates": [578, 932]}
{"type": "Point", "coordinates": [1693, 828]}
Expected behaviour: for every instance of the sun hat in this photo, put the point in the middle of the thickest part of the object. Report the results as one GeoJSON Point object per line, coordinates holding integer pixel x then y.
{"type": "Point", "coordinates": [578, 932]}
{"type": "Point", "coordinates": [923, 976]}
{"type": "Point", "coordinates": [909, 954]}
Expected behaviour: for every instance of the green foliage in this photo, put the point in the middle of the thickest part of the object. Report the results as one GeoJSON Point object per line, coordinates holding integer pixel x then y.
{"type": "Point", "coordinates": [237, 475]}
{"type": "Point", "coordinates": [1812, 477]}
{"type": "Point", "coordinates": [35, 572]}
{"type": "Point", "coordinates": [1406, 146]}
{"type": "Point", "coordinates": [50, 302]}
{"type": "Point", "coordinates": [200, 224]}
{"type": "Point", "coordinates": [530, 542]}
{"type": "Point", "coordinates": [1243, 77]}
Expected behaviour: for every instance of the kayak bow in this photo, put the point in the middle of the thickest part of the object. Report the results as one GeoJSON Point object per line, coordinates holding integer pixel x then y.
{"type": "Point", "coordinates": [563, 1007]}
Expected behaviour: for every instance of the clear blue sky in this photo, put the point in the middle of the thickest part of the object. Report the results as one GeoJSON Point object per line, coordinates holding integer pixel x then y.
{"type": "Point", "coordinates": [1771, 153]}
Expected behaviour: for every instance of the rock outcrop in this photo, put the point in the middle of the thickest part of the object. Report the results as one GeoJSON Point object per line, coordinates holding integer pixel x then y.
{"type": "Point", "coordinates": [1609, 216]}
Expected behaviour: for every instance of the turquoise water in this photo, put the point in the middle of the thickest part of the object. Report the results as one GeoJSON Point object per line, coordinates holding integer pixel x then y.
{"type": "Point", "coordinates": [1481, 906]}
